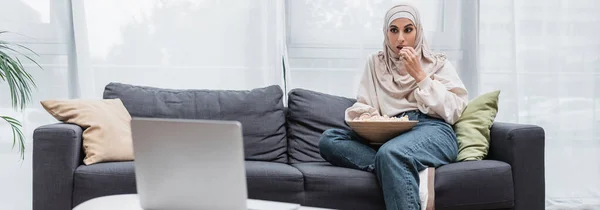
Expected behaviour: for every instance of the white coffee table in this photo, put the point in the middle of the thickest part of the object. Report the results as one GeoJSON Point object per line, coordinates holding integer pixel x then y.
{"type": "Point", "coordinates": [131, 202]}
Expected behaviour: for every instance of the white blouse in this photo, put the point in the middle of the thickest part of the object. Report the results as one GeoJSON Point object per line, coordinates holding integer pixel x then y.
{"type": "Point", "coordinates": [442, 94]}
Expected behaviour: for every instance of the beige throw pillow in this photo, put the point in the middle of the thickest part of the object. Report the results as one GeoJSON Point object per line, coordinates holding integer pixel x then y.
{"type": "Point", "coordinates": [107, 124]}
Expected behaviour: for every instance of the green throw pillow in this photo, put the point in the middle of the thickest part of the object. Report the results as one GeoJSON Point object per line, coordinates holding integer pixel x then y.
{"type": "Point", "coordinates": [473, 127]}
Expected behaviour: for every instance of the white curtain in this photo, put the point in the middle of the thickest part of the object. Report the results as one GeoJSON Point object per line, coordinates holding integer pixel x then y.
{"type": "Point", "coordinates": [328, 41]}
{"type": "Point", "coordinates": [84, 45]}
{"type": "Point", "coordinates": [196, 44]}
{"type": "Point", "coordinates": [543, 55]}
{"type": "Point", "coordinates": [45, 27]}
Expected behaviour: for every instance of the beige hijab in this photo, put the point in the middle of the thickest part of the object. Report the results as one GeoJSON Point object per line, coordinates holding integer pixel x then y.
{"type": "Point", "coordinates": [390, 62]}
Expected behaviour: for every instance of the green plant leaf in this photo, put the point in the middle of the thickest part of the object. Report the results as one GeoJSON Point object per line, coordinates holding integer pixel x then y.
{"type": "Point", "coordinates": [2, 77]}
{"type": "Point", "coordinates": [4, 45]}
{"type": "Point", "coordinates": [18, 137]}
{"type": "Point", "coordinates": [25, 90]}
{"type": "Point", "coordinates": [8, 71]}
{"type": "Point", "coordinates": [14, 87]}
{"type": "Point", "coordinates": [20, 83]}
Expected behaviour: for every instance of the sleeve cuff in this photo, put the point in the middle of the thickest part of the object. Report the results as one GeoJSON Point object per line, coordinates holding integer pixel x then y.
{"type": "Point", "coordinates": [425, 83]}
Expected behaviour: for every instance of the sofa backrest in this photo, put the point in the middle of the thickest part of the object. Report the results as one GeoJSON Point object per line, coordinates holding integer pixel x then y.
{"type": "Point", "coordinates": [309, 114]}
{"type": "Point", "coordinates": [260, 111]}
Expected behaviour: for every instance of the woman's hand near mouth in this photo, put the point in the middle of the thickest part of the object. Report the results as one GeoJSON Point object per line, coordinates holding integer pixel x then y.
{"type": "Point", "coordinates": [411, 63]}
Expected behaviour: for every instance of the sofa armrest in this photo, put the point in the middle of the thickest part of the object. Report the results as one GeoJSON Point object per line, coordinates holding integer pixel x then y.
{"type": "Point", "coordinates": [522, 146]}
{"type": "Point", "coordinates": [56, 155]}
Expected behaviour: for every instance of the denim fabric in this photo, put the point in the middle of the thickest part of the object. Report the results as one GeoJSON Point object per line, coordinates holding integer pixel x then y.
{"type": "Point", "coordinates": [431, 143]}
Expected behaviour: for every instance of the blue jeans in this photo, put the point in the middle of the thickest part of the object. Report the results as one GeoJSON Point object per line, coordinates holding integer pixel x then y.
{"type": "Point", "coordinates": [397, 163]}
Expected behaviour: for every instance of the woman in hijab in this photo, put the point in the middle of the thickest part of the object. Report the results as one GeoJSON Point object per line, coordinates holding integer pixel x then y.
{"type": "Point", "coordinates": [404, 79]}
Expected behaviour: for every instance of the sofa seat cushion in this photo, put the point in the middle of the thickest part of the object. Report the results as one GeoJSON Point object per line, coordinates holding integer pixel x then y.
{"type": "Point", "coordinates": [265, 180]}
{"type": "Point", "coordinates": [103, 179]}
{"type": "Point", "coordinates": [274, 181]}
{"type": "Point", "coordinates": [340, 188]}
{"type": "Point", "coordinates": [484, 184]}
{"type": "Point", "coordinates": [260, 111]}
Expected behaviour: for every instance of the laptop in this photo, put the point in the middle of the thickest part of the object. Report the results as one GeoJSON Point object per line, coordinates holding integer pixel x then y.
{"type": "Point", "coordinates": [192, 164]}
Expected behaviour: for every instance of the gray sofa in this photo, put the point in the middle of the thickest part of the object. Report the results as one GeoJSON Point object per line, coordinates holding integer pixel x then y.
{"type": "Point", "coordinates": [282, 157]}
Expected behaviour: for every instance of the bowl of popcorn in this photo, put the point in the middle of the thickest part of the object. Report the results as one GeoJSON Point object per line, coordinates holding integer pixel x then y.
{"type": "Point", "coordinates": [380, 129]}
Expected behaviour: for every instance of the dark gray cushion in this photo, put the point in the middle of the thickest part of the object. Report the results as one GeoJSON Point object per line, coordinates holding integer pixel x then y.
{"type": "Point", "coordinates": [260, 111]}
{"type": "Point", "coordinates": [309, 114]}
{"type": "Point", "coordinates": [274, 181]}
{"type": "Point", "coordinates": [485, 184]}
{"type": "Point", "coordinates": [265, 180]}
{"type": "Point", "coordinates": [340, 188]}
{"type": "Point", "coordinates": [103, 179]}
